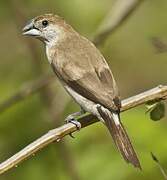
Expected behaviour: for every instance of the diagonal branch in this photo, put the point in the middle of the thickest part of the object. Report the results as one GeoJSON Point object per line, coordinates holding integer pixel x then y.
{"type": "Point", "coordinates": [159, 165]}
{"type": "Point", "coordinates": [57, 134]}
{"type": "Point", "coordinates": [118, 14]}
{"type": "Point", "coordinates": [24, 91]}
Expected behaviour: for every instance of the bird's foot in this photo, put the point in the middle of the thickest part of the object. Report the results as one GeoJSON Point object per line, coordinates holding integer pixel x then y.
{"type": "Point", "coordinates": [71, 119]}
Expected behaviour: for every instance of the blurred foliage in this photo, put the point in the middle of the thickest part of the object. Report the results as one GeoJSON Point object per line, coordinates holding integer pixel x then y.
{"type": "Point", "coordinates": [156, 109]}
{"type": "Point", "coordinates": [136, 66]}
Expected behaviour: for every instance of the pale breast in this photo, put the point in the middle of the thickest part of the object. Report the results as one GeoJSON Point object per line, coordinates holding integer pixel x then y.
{"type": "Point", "coordinates": [49, 54]}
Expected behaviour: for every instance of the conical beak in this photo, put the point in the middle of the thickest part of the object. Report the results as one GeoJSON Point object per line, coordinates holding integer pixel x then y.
{"type": "Point", "coordinates": [30, 29]}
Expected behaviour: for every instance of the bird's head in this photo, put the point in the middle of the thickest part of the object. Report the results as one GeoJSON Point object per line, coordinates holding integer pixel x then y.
{"type": "Point", "coordinates": [48, 28]}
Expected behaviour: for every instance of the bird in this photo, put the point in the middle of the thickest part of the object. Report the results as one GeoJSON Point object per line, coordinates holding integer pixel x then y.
{"type": "Point", "coordinates": [85, 75]}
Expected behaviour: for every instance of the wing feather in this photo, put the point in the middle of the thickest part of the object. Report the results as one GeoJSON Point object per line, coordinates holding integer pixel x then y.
{"type": "Point", "coordinates": [87, 72]}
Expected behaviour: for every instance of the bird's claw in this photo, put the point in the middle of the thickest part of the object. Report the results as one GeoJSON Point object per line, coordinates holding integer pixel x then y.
{"type": "Point", "coordinates": [75, 122]}
{"type": "Point", "coordinates": [72, 120]}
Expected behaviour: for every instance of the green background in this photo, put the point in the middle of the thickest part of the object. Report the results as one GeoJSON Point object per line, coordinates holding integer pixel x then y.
{"type": "Point", "coordinates": [136, 65]}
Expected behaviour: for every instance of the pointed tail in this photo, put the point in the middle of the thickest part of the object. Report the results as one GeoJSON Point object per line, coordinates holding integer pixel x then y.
{"type": "Point", "coordinates": [119, 136]}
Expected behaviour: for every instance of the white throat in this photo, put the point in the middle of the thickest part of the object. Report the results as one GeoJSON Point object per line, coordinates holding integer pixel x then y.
{"type": "Point", "coordinates": [54, 36]}
{"type": "Point", "coordinates": [48, 54]}
{"type": "Point", "coordinates": [50, 46]}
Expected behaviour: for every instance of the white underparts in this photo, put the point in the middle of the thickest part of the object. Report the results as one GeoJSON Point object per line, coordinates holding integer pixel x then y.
{"type": "Point", "coordinates": [48, 54]}
{"type": "Point", "coordinates": [90, 106]}
{"type": "Point", "coordinates": [86, 104]}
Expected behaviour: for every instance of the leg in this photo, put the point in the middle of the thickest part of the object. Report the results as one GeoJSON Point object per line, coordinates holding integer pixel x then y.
{"type": "Point", "coordinates": [72, 118]}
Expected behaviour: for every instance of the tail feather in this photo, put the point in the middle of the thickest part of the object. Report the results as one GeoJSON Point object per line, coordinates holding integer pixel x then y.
{"type": "Point", "coordinates": [119, 136]}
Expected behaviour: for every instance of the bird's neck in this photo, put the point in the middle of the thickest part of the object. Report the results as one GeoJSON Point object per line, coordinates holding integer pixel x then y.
{"type": "Point", "coordinates": [48, 54]}
{"type": "Point", "coordinates": [62, 42]}
{"type": "Point", "coordinates": [52, 45]}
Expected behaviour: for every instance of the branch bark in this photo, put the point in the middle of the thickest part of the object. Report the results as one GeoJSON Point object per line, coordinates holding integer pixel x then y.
{"type": "Point", "coordinates": [118, 14]}
{"type": "Point", "coordinates": [55, 135]}
{"type": "Point", "coordinates": [26, 90]}
{"type": "Point", "coordinates": [159, 166]}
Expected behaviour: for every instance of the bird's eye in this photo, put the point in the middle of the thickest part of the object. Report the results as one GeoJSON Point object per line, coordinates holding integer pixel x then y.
{"type": "Point", "coordinates": [45, 23]}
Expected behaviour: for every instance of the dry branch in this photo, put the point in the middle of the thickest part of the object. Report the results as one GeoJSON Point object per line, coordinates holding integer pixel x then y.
{"type": "Point", "coordinates": [120, 12]}
{"type": "Point", "coordinates": [57, 134]}
{"type": "Point", "coordinates": [24, 91]}
{"type": "Point", "coordinates": [159, 165]}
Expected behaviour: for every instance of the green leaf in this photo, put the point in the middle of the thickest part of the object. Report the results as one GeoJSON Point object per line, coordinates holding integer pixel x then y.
{"type": "Point", "coordinates": [156, 110]}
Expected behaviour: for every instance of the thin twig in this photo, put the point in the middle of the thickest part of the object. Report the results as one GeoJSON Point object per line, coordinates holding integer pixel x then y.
{"type": "Point", "coordinates": [25, 90]}
{"type": "Point", "coordinates": [57, 134]}
{"type": "Point", "coordinates": [159, 165]}
{"type": "Point", "coordinates": [159, 44]}
{"type": "Point", "coordinates": [120, 12]}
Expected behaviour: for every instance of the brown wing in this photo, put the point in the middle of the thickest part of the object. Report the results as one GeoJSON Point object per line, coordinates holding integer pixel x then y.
{"type": "Point", "coordinates": [85, 70]}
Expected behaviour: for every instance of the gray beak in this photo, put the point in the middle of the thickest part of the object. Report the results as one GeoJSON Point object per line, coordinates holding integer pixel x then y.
{"type": "Point", "coordinates": [30, 29]}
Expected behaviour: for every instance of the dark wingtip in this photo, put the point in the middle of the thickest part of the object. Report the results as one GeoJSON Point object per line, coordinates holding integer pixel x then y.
{"type": "Point", "coordinates": [121, 139]}
{"type": "Point", "coordinates": [135, 162]}
{"type": "Point", "coordinates": [137, 165]}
